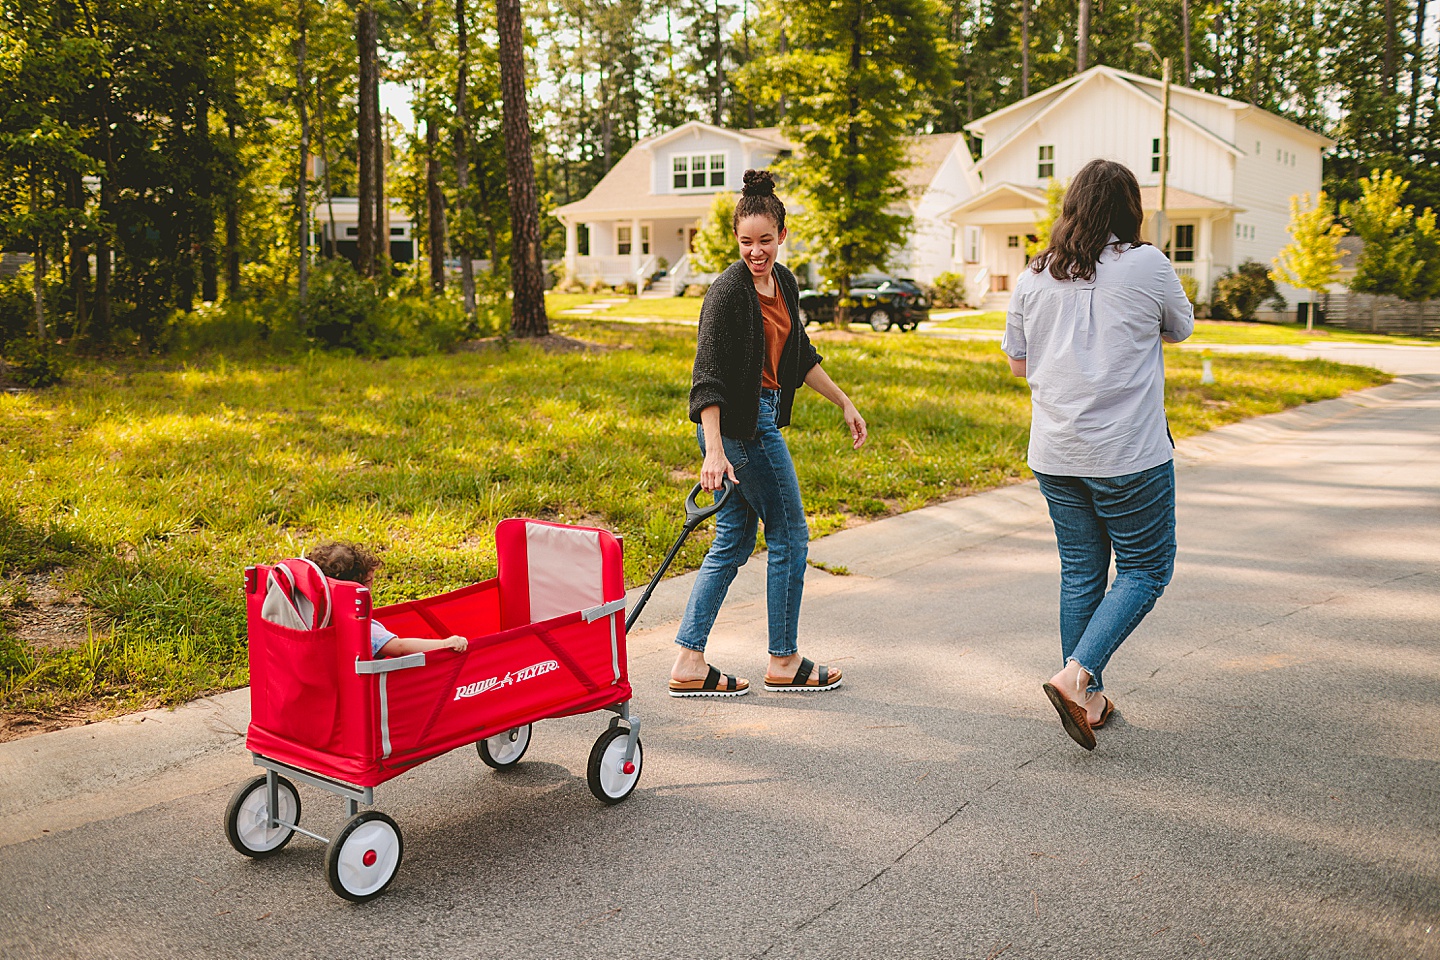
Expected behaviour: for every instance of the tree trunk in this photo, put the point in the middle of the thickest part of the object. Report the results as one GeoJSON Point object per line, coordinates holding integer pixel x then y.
{"type": "Point", "coordinates": [367, 42]}
{"type": "Point", "coordinates": [1082, 38]}
{"type": "Point", "coordinates": [462, 156]}
{"type": "Point", "coordinates": [719, 114]}
{"type": "Point", "coordinates": [528, 310]}
{"type": "Point", "coordinates": [232, 226]}
{"type": "Point", "coordinates": [852, 175]}
{"type": "Point", "coordinates": [209, 270]}
{"type": "Point", "coordinates": [1185, 31]}
{"type": "Point", "coordinates": [1387, 70]}
{"type": "Point", "coordinates": [302, 179]}
{"type": "Point", "coordinates": [79, 261]}
{"type": "Point", "coordinates": [1415, 66]}
{"type": "Point", "coordinates": [37, 279]}
{"type": "Point", "coordinates": [1024, 49]}
{"type": "Point", "coordinates": [434, 208]}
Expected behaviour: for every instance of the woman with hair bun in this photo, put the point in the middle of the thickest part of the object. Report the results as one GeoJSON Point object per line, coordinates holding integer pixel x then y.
{"type": "Point", "coordinates": [750, 358]}
{"type": "Point", "coordinates": [1085, 327]}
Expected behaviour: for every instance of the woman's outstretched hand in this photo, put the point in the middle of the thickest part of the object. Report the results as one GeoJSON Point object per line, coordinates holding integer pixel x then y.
{"type": "Point", "coordinates": [856, 423]}
{"type": "Point", "coordinates": [715, 469]}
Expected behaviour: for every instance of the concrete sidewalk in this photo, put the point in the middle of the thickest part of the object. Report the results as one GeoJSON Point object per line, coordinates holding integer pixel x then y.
{"type": "Point", "coordinates": [1269, 788]}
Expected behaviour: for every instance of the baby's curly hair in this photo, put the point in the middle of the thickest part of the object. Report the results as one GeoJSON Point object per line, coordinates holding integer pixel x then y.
{"type": "Point", "coordinates": [339, 560]}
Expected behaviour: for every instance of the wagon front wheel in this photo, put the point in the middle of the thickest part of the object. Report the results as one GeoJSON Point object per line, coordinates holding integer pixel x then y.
{"type": "Point", "coordinates": [364, 856]}
{"type": "Point", "coordinates": [611, 779]}
{"type": "Point", "coordinates": [249, 825]}
{"type": "Point", "coordinates": [505, 749]}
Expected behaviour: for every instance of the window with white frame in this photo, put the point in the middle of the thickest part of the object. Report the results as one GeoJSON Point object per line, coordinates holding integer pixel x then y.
{"type": "Point", "coordinates": [1045, 167]}
{"type": "Point", "coordinates": [622, 241]}
{"type": "Point", "coordinates": [696, 171]}
{"type": "Point", "coordinates": [972, 244]}
{"type": "Point", "coordinates": [645, 239]}
{"type": "Point", "coordinates": [1183, 248]}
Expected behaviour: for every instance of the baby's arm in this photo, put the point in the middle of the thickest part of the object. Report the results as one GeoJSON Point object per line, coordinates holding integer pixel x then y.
{"type": "Point", "coordinates": [399, 646]}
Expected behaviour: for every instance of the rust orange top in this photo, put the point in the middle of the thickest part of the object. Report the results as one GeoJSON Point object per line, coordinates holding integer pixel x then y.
{"type": "Point", "coordinates": [777, 331]}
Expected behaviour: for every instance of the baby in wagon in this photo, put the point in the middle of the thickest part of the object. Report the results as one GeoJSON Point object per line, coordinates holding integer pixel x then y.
{"type": "Point", "coordinates": [347, 561]}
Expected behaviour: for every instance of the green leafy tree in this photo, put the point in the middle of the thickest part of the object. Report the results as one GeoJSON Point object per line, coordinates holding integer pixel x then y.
{"type": "Point", "coordinates": [1388, 264]}
{"type": "Point", "coordinates": [1054, 202]}
{"type": "Point", "coordinates": [858, 77]}
{"type": "Point", "coordinates": [715, 247]}
{"type": "Point", "coordinates": [1425, 285]}
{"type": "Point", "coordinates": [1311, 260]}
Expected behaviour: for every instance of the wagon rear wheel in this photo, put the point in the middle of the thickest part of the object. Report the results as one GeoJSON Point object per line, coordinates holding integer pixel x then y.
{"type": "Point", "coordinates": [364, 856]}
{"type": "Point", "coordinates": [611, 779]}
{"type": "Point", "coordinates": [505, 749]}
{"type": "Point", "coordinates": [248, 824]}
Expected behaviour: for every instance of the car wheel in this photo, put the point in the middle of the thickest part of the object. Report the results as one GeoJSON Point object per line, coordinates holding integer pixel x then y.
{"type": "Point", "coordinates": [804, 317]}
{"type": "Point", "coordinates": [880, 320]}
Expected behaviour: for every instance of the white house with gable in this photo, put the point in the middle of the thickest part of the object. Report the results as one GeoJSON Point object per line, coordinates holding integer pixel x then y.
{"type": "Point", "coordinates": [653, 201]}
{"type": "Point", "coordinates": [1233, 169]}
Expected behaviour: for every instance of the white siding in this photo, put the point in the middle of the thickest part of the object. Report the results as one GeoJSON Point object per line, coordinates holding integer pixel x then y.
{"type": "Point", "coordinates": [1287, 163]}
{"type": "Point", "coordinates": [1105, 120]}
{"type": "Point", "coordinates": [696, 142]}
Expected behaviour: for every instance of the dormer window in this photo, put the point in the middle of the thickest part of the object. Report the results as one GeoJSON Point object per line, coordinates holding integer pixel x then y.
{"type": "Point", "coordinates": [1045, 169]}
{"type": "Point", "coordinates": [697, 171]}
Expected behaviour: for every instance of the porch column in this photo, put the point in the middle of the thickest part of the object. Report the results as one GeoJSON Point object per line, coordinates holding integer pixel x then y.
{"type": "Point", "coordinates": [572, 246]}
{"type": "Point", "coordinates": [635, 257]}
{"type": "Point", "coordinates": [1204, 258]}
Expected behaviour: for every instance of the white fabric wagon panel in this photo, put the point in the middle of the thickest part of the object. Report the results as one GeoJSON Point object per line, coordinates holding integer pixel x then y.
{"type": "Point", "coordinates": [565, 570]}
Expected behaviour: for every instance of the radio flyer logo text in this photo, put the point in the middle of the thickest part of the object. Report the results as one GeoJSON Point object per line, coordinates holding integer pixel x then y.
{"type": "Point", "coordinates": [510, 679]}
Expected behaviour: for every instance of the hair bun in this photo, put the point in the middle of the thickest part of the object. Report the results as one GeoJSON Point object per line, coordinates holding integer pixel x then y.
{"type": "Point", "coordinates": [759, 183]}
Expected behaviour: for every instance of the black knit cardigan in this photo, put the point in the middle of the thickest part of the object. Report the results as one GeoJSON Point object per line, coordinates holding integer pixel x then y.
{"type": "Point", "coordinates": [730, 352]}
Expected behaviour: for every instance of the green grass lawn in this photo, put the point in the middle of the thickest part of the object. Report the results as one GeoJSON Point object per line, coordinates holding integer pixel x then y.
{"type": "Point", "coordinates": [1227, 332]}
{"type": "Point", "coordinates": [661, 308]}
{"type": "Point", "coordinates": [145, 488]}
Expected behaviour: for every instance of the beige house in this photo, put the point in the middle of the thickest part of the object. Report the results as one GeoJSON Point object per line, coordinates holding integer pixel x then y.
{"type": "Point", "coordinates": [1233, 169]}
{"type": "Point", "coordinates": [652, 202]}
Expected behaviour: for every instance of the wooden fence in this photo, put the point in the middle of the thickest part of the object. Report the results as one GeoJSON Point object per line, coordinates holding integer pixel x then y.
{"type": "Point", "coordinates": [1362, 311]}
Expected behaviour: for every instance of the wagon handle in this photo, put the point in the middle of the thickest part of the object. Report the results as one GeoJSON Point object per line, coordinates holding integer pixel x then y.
{"type": "Point", "coordinates": [696, 514]}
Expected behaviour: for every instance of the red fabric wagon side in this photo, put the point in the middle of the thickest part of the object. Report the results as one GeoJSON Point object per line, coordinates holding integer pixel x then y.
{"type": "Point", "coordinates": [547, 639]}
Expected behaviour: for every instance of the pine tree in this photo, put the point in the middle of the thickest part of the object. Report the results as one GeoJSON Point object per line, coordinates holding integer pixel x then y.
{"type": "Point", "coordinates": [857, 78]}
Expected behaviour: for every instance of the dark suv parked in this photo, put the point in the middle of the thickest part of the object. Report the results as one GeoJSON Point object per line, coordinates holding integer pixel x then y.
{"type": "Point", "coordinates": [881, 300]}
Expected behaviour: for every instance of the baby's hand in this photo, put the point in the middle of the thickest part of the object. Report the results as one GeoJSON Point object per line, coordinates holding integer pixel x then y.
{"type": "Point", "coordinates": [458, 644]}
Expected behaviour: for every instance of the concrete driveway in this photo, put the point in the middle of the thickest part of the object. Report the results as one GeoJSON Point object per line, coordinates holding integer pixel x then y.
{"type": "Point", "coordinates": [1270, 787]}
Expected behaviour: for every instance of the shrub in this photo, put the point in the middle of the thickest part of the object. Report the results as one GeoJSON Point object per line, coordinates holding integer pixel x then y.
{"type": "Point", "coordinates": [948, 290]}
{"type": "Point", "coordinates": [17, 306]}
{"type": "Point", "coordinates": [1240, 292]}
{"type": "Point", "coordinates": [34, 364]}
{"type": "Point", "coordinates": [696, 289]}
{"type": "Point", "coordinates": [1191, 286]}
{"type": "Point", "coordinates": [597, 286]}
{"type": "Point", "coordinates": [625, 288]}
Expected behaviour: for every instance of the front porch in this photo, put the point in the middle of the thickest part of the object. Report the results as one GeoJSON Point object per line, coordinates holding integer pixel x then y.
{"type": "Point", "coordinates": [992, 229]}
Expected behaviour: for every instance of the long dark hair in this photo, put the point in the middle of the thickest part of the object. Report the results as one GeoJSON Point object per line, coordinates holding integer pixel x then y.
{"type": "Point", "coordinates": [758, 198]}
{"type": "Point", "coordinates": [1104, 198]}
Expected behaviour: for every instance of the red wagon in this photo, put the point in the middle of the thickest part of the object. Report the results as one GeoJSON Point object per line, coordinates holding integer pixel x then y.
{"type": "Point", "coordinates": [547, 639]}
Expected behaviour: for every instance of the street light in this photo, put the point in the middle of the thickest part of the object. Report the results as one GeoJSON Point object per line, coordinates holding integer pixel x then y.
{"type": "Point", "coordinates": [1160, 225]}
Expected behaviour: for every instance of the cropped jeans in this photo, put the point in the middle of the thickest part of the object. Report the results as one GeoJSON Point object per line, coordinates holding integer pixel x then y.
{"type": "Point", "coordinates": [769, 493]}
{"type": "Point", "coordinates": [1133, 516]}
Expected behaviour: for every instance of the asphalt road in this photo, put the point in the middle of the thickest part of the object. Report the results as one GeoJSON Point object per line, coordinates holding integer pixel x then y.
{"type": "Point", "coordinates": [1270, 787]}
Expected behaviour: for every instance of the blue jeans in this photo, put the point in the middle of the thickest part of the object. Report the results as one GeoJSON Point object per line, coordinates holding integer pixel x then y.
{"type": "Point", "coordinates": [769, 492]}
{"type": "Point", "coordinates": [1132, 515]}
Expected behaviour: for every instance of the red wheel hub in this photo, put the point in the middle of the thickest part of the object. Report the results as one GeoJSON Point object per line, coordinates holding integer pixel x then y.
{"type": "Point", "coordinates": [628, 769]}
{"type": "Point", "coordinates": [370, 857]}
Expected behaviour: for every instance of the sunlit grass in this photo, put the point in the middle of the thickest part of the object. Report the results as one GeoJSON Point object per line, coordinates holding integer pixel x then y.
{"type": "Point", "coordinates": [148, 487]}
